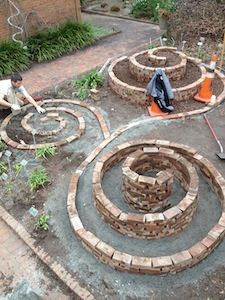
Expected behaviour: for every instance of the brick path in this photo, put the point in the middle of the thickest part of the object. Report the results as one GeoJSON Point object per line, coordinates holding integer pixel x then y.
{"type": "Point", "coordinates": [134, 35]}
{"type": "Point", "coordinates": [17, 261]}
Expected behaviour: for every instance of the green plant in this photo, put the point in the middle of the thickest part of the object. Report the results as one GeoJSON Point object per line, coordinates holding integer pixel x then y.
{"type": "Point", "coordinates": [13, 58]}
{"type": "Point", "coordinates": [1, 145]}
{"type": "Point", "coordinates": [151, 46]}
{"type": "Point", "coordinates": [152, 8]}
{"type": "Point", "coordinates": [37, 179]}
{"type": "Point", "coordinates": [3, 168]}
{"type": "Point", "coordinates": [61, 39]}
{"type": "Point", "coordinates": [45, 152]}
{"type": "Point", "coordinates": [87, 82]}
{"type": "Point", "coordinates": [17, 167]}
{"type": "Point", "coordinates": [9, 187]}
{"type": "Point", "coordinates": [42, 222]}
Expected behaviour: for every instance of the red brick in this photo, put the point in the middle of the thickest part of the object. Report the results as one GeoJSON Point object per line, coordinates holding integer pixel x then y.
{"type": "Point", "coordinates": [141, 262]}
{"type": "Point", "coordinates": [197, 250]}
{"type": "Point", "coordinates": [181, 257]}
{"type": "Point", "coordinates": [122, 257]}
{"type": "Point", "coordinates": [105, 248]}
{"type": "Point", "coordinates": [163, 261]}
{"type": "Point", "coordinates": [172, 212]}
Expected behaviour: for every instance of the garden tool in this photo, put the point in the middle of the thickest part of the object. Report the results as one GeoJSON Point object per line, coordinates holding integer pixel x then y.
{"type": "Point", "coordinates": [221, 155]}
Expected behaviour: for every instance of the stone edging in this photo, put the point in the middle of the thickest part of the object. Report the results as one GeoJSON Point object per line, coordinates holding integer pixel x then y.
{"type": "Point", "coordinates": [61, 273]}
{"type": "Point", "coordinates": [150, 265]}
{"type": "Point", "coordinates": [149, 225]}
{"type": "Point", "coordinates": [144, 73]}
{"type": "Point", "coordinates": [98, 115]}
{"type": "Point", "coordinates": [138, 95]}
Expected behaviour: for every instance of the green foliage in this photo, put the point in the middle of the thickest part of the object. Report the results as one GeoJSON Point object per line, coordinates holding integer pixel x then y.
{"type": "Point", "coordinates": [42, 222]}
{"type": "Point", "coordinates": [3, 168]}
{"type": "Point", "coordinates": [37, 179]}
{"type": "Point", "coordinates": [13, 58]}
{"type": "Point", "coordinates": [48, 45]}
{"type": "Point", "coordinates": [151, 8]}
{"type": "Point", "coordinates": [1, 144]}
{"type": "Point", "coordinates": [18, 168]}
{"type": "Point", "coordinates": [151, 46]}
{"type": "Point", "coordinates": [45, 152]}
{"type": "Point", "coordinates": [59, 40]}
{"type": "Point", "coordinates": [87, 82]}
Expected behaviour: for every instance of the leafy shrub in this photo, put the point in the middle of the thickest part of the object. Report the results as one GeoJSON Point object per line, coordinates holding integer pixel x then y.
{"type": "Point", "coordinates": [59, 40]}
{"type": "Point", "coordinates": [87, 82]}
{"type": "Point", "coordinates": [151, 8]}
{"type": "Point", "coordinates": [42, 222]}
{"type": "Point", "coordinates": [45, 152]}
{"type": "Point", "coordinates": [37, 179]}
{"type": "Point", "coordinates": [13, 58]}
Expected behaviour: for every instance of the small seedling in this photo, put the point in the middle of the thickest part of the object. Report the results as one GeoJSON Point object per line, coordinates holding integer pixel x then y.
{"type": "Point", "coordinates": [9, 187]}
{"type": "Point", "coordinates": [45, 152]}
{"type": "Point", "coordinates": [3, 168]}
{"type": "Point", "coordinates": [38, 178]}
{"type": "Point", "coordinates": [42, 222]}
{"type": "Point", "coordinates": [1, 145]}
{"type": "Point", "coordinates": [18, 168]}
{"type": "Point", "coordinates": [151, 46]}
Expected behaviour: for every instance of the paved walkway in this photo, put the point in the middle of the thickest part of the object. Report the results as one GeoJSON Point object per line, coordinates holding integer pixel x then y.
{"type": "Point", "coordinates": [17, 261]}
{"type": "Point", "coordinates": [134, 35]}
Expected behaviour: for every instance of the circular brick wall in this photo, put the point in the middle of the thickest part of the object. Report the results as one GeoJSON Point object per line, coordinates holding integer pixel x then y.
{"type": "Point", "coordinates": [122, 261]}
{"type": "Point", "coordinates": [149, 225]}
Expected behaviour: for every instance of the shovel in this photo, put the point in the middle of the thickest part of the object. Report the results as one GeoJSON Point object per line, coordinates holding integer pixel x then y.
{"type": "Point", "coordinates": [221, 155]}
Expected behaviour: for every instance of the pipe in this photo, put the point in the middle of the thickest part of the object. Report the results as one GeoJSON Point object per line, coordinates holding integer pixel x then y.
{"type": "Point", "coordinates": [13, 25]}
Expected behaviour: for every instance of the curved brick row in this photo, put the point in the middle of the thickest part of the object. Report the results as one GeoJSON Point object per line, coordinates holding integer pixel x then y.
{"type": "Point", "coordinates": [159, 61]}
{"type": "Point", "coordinates": [150, 265]}
{"type": "Point", "coordinates": [53, 116]}
{"type": "Point", "coordinates": [150, 225]}
{"type": "Point", "coordinates": [50, 117]}
{"type": "Point", "coordinates": [139, 96]}
{"type": "Point", "coordinates": [146, 193]}
{"type": "Point", "coordinates": [145, 73]}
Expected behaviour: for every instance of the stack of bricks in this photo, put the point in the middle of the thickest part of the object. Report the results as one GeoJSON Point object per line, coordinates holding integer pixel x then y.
{"type": "Point", "coordinates": [145, 193]}
{"type": "Point", "coordinates": [149, 225]}
{"type": "Point", "coordinates": [173, 262]}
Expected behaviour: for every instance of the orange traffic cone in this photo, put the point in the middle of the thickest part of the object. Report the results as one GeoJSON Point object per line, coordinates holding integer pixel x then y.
{"type": "Point", "coordinates": [154, 110]}
{"type": "Point", "coordinates": [205, 92]}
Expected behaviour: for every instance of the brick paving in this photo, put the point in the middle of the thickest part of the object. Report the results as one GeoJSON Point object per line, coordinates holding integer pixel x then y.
{"type": "Point", "coordinates": [17, 261]}
{"type": "Point", "coordinates": [42, 76]}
